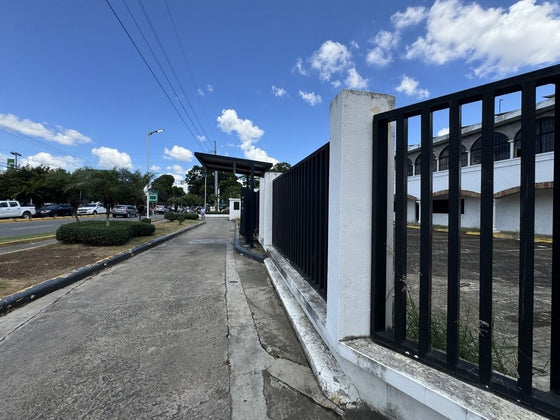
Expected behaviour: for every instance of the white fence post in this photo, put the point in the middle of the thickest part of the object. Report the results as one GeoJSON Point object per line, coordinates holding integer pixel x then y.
{"type": "Point", "coordinates": [265, 208]}
{"type": "Point", "coordinates": [350, 210]}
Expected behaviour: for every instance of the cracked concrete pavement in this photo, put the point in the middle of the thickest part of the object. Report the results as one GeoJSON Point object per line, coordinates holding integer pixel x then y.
{"type": "Point", "coordinates": [188, 329]}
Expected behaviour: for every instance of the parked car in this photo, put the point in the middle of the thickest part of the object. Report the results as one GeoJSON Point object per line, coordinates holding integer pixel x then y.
{"type": "Point", "coordinates": [160, 209]}
{"type": "Point", "coordinates": [56, 210]}
{"type": "Point", "coordinates": [12, 208]}
{"type": "Point", "coordinates": [92, 208]}
{"type": "Point", "coordinates": [125, 210]}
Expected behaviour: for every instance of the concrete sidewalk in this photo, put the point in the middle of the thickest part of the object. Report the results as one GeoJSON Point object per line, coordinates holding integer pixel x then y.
{"type": "Point", "coordinates": [188, 329]}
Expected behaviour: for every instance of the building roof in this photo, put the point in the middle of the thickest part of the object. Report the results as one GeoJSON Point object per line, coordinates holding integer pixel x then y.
{"type": "Point", "coordinates": [233, 165]}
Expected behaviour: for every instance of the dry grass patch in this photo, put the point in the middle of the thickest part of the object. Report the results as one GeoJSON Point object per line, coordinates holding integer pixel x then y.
{"type": "Point", "coordinates": [22, 269]}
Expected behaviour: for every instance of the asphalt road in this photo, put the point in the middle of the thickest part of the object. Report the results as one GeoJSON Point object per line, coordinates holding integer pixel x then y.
{"type": "Point", "coordinates": [10, 229]}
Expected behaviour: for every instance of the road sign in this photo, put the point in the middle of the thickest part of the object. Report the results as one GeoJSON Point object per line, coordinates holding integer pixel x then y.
{"type": "Point", "coordinates": [10, 163]}
{"type": "Point", "coordinates": [153, 196]}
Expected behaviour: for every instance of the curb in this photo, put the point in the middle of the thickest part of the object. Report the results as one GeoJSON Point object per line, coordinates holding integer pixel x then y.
{"type": "Point", "coordinates": [16, 300]}
{"type": "Point", "coordinates": [241, 250]}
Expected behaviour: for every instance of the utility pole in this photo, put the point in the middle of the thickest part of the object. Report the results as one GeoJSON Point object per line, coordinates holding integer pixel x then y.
{"type": "Point", "coordinates": [216, 183]}
{"type": "Point", "coordinates": [16, 154]}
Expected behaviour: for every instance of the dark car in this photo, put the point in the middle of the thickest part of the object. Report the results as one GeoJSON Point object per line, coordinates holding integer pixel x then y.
{"type": "Point", "coordinates": [56, 210]}
{"type": "Point", "coordinates": [125, 210]}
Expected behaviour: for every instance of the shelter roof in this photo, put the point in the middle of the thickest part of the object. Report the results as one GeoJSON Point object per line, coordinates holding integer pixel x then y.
{"type": "Point", "coordinates": [233, 165]}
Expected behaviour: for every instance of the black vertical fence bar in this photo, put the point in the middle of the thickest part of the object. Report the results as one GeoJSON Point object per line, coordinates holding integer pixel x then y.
{"type": "Point", "coordinates": [555, 298]}
{"type": "Point", "coordinates": [300, 212]}
{"type": "Point", "coordinates": [454, 237]}
{"type": "Point", "coordinates": [526, 238]}
{"type": "Point", "coordinates": [518, 390]}
{"type": "Point", "coordinates": [400, 228]}
{"type": "Point", "coordinates": [425, 305]}
{"type": "Point", "coordinates": [379, 225]}
{"type": "Point", "coordinates": [486, 236]}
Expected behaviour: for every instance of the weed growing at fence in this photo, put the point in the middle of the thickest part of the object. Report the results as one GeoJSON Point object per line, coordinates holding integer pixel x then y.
{"type": "Point", "coordinates": [504, 354]}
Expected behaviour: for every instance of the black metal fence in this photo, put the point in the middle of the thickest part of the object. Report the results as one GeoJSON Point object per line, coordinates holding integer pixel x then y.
{"type": "Point", "coordinates": [395, 336]}
{"type": "Point", "coordinates": [300, 214]}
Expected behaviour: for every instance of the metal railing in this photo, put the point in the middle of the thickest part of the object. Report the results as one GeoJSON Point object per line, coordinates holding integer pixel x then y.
{"type": "Point", "coordinates": [300, 214]}
{"type": "Point", "coordinates": [393, 332]}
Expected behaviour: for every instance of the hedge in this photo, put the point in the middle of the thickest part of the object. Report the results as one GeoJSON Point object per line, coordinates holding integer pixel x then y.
{"type": "Point", "coordinates": [96, 232]}
{"type": "Point", "coordinates": [171, 216]}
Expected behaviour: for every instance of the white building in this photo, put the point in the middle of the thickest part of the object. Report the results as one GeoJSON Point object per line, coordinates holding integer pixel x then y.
{"type": "Point", "coordinates": [507, 169]}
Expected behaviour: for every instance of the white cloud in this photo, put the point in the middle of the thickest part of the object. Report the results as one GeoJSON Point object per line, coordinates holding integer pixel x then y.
{"type": "Point", "coordinates": [200, 92]}
{"type": "Point", "coordinates": [61, 135]}
{"type": "Point", "coordinates": [381, 54]}
{"type": "Point", "coordinates": [411, 16]}
{"type": "Point", "coordinates": [178, 153]}
{"type": "Point", "coordinates": [379, 57]}
{"type": "Point", "coordinates": [178, 173]}
{"type": "Point", "coordinates": [310, 97]}
{"type": "Point", "coordinates": [201, 138]}
{"type": "Point", "coordinates": [112, 158]}
{"type": "Point", "coordinates": [331, 58]}
{"type": "Point", "coordinates": [247, 133]}
{"type": "Point", "coordinates": [499, 41]}
{"type": "Point", "coordinates": [155, 169]}
{"type": "Point", "coordinates": [333, 62]}
{"type": "Point", "coordinates": [280, 92]}
{"type": "Point", "coordinates": [210, 88]}
{"type": "Point", "coordinates": [355, 81]}
{"type": "Point", "coordinates": [355, 45]}
{"type": "Point", "coordinates": [299, 67]}
{"type": "Point", "coordinates": [69, 163]}
{"type": "Point", "coordinates": [409, 86]}
{"type": "Point", "coordinates": [443, 132]}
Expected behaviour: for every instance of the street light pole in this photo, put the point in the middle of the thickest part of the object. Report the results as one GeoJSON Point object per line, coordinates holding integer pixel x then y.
{"type": "Point", "coordinates": [16, 154]}
{"type": "Point", "coordinates": [148, 168]}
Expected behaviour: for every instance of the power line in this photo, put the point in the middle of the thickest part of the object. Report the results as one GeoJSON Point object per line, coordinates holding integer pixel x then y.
{"type": "Point", "coordinates": [186, 61]}
{"type": "Point", "coordinates": [148, 65]}
{"type": "Point", "coordinates": [172, 70]}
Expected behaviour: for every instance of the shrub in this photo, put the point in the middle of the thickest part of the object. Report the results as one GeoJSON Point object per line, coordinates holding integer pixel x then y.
{"type": "Point", "coordinates": [96, 232]}
{"type": "Point", "coordinates": [170, 216]}
{"type": "Point", "coordinates": [191, 216]}
{"type": "Point", "coordinates": [142, 229]}
{"type": "Point", "coordinates": [181, 218]}
{"type": "Point", "coordinates": [146, 220]}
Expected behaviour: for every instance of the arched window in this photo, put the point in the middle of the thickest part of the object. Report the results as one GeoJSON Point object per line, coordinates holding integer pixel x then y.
{"type": "Point", "coordinates": [476, 152]}
{"type": "Point", "coordinates": [544, 137]}
{"type": "Point", "coordinates": [501, 146]}
{"type": "Point", "coordinates": [501, 149]}
{"type": "Point", "coordinates": [444, 158]}
{"type": "Point", "coordinates": [409, 168]}
{"type": "Point", "coordinates": [418, 164]}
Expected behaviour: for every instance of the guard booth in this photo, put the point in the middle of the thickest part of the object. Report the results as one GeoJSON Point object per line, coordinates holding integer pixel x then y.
{"type": "Point", "coordinates": [249, 204]}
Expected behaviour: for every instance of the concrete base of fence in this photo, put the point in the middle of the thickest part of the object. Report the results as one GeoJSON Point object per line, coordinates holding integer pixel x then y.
{"type": "Point", "coordinates": [358, 369]}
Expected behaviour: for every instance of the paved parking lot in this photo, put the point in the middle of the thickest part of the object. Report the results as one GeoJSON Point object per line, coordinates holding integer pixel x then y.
{"type": "Point", "coordinates": [505, 291]}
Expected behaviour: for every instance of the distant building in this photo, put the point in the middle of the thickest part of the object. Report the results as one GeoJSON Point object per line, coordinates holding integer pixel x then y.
{"type": "Point", "coordinates": [507, 169]}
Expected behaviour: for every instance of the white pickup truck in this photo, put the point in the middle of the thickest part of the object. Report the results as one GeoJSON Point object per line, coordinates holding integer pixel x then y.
{"type": "Point", "coordinates": [12, 208]}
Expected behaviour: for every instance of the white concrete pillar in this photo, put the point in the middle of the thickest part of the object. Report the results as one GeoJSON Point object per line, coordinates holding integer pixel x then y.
{"type": "Point", "coordinates": [234, 208]}
{"type": "Point", "coordinates": [265, 209]}
{"type": "Point", "coordinates": [350, 207]}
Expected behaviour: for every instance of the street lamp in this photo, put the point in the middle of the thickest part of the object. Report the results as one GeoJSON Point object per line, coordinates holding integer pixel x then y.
{"type": "Point", "coordinates": [148, 168]}
{"type": "Point", "coordinates": [16, 154]}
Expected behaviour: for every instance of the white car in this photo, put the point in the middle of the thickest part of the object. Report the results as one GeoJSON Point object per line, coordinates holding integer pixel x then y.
{"type": "Point", "coordinates": [92, 208]}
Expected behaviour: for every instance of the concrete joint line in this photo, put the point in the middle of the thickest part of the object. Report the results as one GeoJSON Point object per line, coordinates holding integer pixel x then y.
{"type": "Point", "coordinates": [247, 357]}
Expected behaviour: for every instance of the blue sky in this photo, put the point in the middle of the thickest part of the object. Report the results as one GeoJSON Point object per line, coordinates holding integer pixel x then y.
{"type": "Point", "coordinates": [253, 77]}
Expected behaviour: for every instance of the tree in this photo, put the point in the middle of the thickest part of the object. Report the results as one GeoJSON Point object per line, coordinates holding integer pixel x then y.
{"type": "Point", "coordinates": [163, 185]}
{"type": "Point", "coordinates": [280, 167]}
{"type": "Point", "coordinates": [109, 186]}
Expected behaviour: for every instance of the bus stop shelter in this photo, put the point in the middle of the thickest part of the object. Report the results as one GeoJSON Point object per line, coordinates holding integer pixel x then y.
{"type": "Point", "coordinates": [249, 202]}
